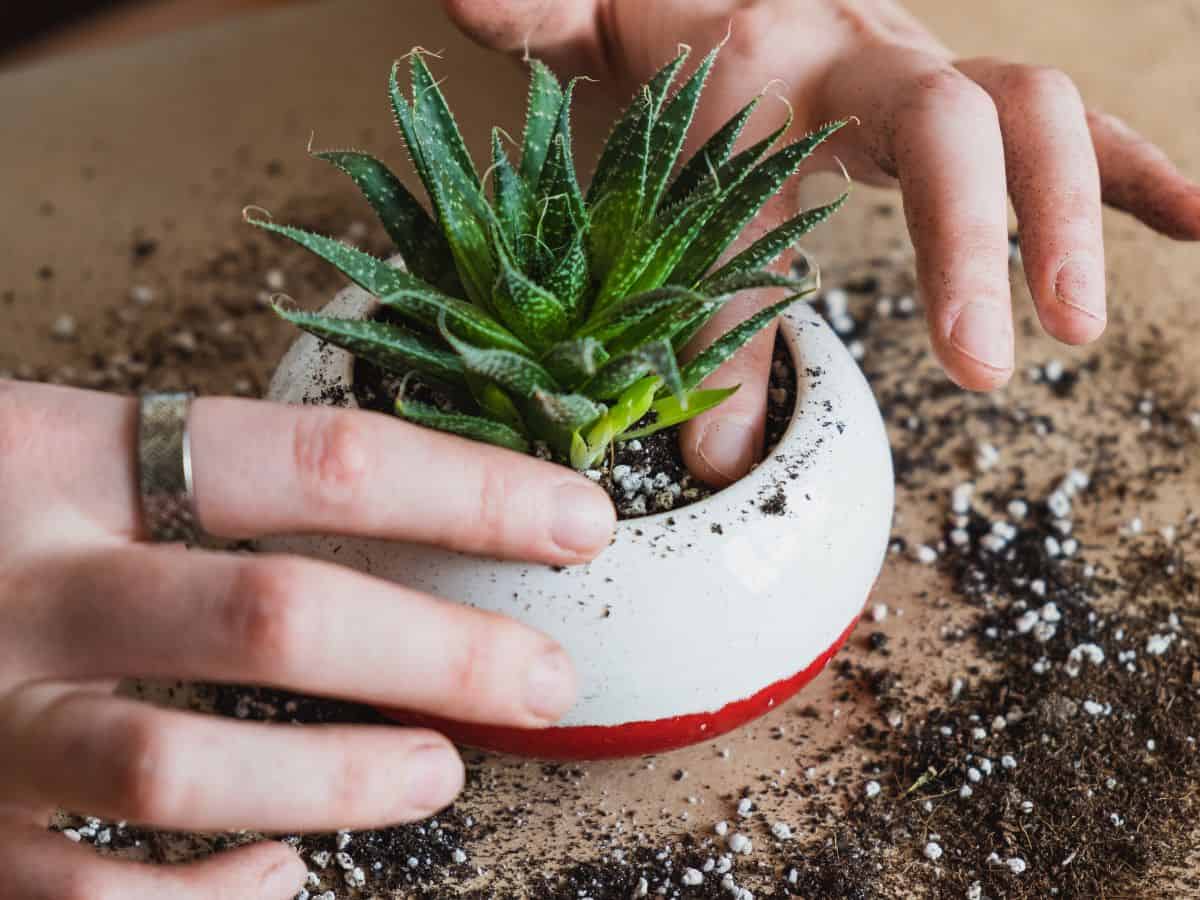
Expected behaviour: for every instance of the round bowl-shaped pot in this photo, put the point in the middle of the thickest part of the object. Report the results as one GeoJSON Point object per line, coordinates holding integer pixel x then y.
{"type": "Point", "coordinates": [693, 621]}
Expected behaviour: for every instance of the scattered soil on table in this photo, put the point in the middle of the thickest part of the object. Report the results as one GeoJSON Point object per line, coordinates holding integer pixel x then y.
{"type": "Point", "coordinates": [1060, 762]}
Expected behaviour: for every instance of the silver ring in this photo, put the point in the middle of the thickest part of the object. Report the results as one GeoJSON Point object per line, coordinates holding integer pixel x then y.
{"type": "Point", "coordinates": [165, 468]}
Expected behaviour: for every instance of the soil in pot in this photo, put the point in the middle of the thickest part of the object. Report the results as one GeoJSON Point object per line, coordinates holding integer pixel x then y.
{"type": "Point", "coordinates": [643, 476]}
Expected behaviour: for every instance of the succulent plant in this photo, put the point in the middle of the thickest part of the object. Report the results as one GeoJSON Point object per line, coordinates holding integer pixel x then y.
{"type": "Point", "coordinates": [553, 315]}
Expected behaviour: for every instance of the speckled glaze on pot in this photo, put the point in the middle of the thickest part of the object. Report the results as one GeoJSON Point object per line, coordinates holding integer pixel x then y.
{"type": "Point", "coordinates": [680, 630]}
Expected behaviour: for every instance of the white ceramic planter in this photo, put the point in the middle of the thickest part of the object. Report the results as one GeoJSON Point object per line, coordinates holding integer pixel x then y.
{"type": "Point", "coordinates": [679, 631]}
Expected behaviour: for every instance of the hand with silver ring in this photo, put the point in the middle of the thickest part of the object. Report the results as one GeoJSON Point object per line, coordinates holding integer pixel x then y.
{"type": "Point", "coordinates": [86, 599]}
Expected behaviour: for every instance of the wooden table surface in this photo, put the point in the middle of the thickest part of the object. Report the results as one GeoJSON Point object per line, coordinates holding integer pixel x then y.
{"type": "Point", "coordinates": [172, 137]}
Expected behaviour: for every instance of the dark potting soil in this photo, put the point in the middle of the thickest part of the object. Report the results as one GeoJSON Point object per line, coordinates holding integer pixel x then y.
{"type": "Point", "coordinates": [643, 476]}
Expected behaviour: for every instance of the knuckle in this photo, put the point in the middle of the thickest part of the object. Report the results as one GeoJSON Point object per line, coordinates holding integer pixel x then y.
{"type": "Point", "coordinates": [750, 28]}
{"type": "Point", "coordinates": [1039, 83]}
{"type": "Point", "coordinates": [331, 455]}
{"type": "Point", "coordinates": [350, 781]}
{"type": "Point", "coordinates": [493, 521]}
{"type": "Point", "coordinates": [146, 782]}
{"type": "Point", "coordinates": [469, 666]}
{"type": "Point", "coordinates": [945, 90]}
{"type": "Point", "coordinates": [1107, 126]}
{"type": "Point", "coordinates": [264, 620]}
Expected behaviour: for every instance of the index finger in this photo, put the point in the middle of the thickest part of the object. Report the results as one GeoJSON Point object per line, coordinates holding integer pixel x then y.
{"type": "Point", "coordinates": [263, 468]}
{"type": "Point", "coordinates": [938, 132]}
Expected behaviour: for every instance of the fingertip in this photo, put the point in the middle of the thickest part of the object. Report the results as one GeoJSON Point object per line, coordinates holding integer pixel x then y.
{"type": "Point", "coordinates": [970, 374]}
{"type": "Point", "coordinates": [721, 450]}
{"type": "Point", "coordinates": [435, 776]}
{"type": "Point", "coordinates": [285, 877]}
{"type": "Point", "coordinates": [280, 872]}
{"type": "Point", "coordinates": [583, 521]}
{"type": "Point", "coordinates": [1072, 326]}
{"type": "Point", "coordinates": [1076, 313]}
{"type": "Point", "coordinates": [551, 685]}
{"type": "Point", "coordinates": [1189, 215]}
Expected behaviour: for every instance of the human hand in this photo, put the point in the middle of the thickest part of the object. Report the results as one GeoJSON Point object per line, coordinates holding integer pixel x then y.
{"type": "Point", "coordinates": [957, 136]}
{"type": "Point", "coordinates": [85, 601]}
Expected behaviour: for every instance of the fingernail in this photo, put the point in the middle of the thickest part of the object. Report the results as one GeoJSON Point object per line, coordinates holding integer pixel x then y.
{"type": "Point", "coordinates": [982, 331]}
{"type": "Point", "coordinates": [284, 879]}
{"type": "Point", "coordinates": [549, 685]}
{"type": "Point", "coordinates": [435, 776]}
{"type": "Point", "coordinates": [728, 448]}
{"type": "Point", "coordinates": [583, 518]}
{"type": "Point", "coordinates": [1080, 285]}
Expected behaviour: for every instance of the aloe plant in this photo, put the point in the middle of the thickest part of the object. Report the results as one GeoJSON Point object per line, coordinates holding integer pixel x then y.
{"type": "Point", "coordinates": [556, 315]}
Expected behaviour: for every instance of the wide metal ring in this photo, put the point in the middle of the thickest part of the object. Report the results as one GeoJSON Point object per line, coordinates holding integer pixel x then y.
{"type": "Point", "coordinates": [165, 468]}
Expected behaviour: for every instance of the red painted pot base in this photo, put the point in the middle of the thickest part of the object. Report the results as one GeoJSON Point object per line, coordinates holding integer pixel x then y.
{"type": "Point", "coordinates": [627, 739]}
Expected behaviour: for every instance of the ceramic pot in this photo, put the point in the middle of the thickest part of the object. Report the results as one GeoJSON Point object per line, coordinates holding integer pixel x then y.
{"type": "Point", "coordinates": [694, 621]}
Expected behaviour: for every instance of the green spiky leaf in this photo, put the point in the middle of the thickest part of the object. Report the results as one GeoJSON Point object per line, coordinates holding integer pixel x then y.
{"type": "Point", "coordinates": [569, 279]}
{"type": "Point", "coordinates": [495, 403]}
{"type": "Point", "coordinates": [771, 245]}
{"type": "Point", "coordinates": [372, 275]}
{"type": "Point", "coordinates": [618, 191]}
{"type": "Point", "coordinates": [710, 157]}
{"type": "Point", "coordinates": [671, 411]}
{"type": "Point", "coordinates": [559, 416]}
{"type": "Point", "coordinates": [467, 221]}
{"type": "Point", "coordinates": [541, 115]}
{"type": "Point", "coordinates": [670, 128]}
{"type": "Point", "coordinates": [425, 306]}
{"type": "Point", "coordinates": [573, 362]}
{"type": "Point", "coordinates": [473, 427]}
{"type": "Point", "coordinates": [735, 282]}
{"type": "Point", "coordinates": [624, 150]}
{"type": "Point", "coordinates": [446, 170]}
{"type": "Point", "coordinates": [744, 202]}
{"type": "Point", "coordinates": [513, 372]}
{"type": "Point", "coordinates": [616, 320]}
{"type": "Point", "coordinates": [587, 448]}
{"type": "Point", "coordinates": [387, 346]}
{"type": "Point", "coordinates": [622, 371]}
{"type": "Point", "coordinates": [530, 310]}
{"type": "Point", "coordinates": [662, 326]}
{"type": "Point", "coordinates": [416, 235]}
{"type": "Point", "coordinates": [561, 211]}
{"type": "Point", "coordinates": [434, 121]}
{"type": "Point", "coordinates": [513, 201]}
{"type": "Point", "coordinates": [708, 360]}
{"type": "Point", "coordinates": [651, 257]}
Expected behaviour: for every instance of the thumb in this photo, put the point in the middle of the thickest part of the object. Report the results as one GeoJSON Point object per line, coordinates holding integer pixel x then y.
{"type": "Point", "coordinates": [559, 31]}
{"type": "Point", "coordinates": [721, 446]}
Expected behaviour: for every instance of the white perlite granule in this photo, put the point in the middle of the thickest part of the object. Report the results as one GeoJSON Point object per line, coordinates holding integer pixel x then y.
{"type": "Point", "coordinates": [933, 851]}
{"type": "Point", "coordinates": [739, 843]}
{"type": "Point", "coordinates": [63, 328]}
{"type": "Point", "coordinates": [1157, 644]}
{"type": "Point", "coordinates": [925, 555]}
